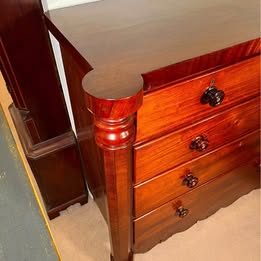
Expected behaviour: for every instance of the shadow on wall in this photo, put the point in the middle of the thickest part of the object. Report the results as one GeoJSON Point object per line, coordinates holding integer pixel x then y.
{"type": "Point", "coordinates": [54, 4]}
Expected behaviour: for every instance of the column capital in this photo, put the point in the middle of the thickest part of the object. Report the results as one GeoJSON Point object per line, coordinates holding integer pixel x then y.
{"type": "Point", "coordinates": [114, 125]}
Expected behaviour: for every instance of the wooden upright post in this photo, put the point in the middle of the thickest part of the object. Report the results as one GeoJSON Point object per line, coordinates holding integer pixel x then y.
{"type": "Point", "coordinates": [114, 134]}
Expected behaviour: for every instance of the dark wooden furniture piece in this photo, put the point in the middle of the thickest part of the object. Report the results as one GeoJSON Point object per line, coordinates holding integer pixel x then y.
{"type": "Point", "coordinates": [39, 111]}
{"type": "Point", "coordinates": [167, 138]}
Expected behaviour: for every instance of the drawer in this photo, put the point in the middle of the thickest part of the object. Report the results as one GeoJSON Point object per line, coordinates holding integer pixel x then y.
{"type": "Point", "coordinates": [163, 188]}
{"type": "Point", "coordinates": [202, 202]}
{"type": "Point", "coordinates": [177, 105]}
{"type": "Point", "coordinates": [173, 149]}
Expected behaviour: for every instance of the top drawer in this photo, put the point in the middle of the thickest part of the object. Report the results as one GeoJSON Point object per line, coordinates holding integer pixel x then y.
{"type": "Point", "coordinates": [177, 105]}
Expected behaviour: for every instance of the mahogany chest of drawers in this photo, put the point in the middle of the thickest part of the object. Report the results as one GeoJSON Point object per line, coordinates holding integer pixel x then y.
{"type": "Point", "coordinates": [166, 105]}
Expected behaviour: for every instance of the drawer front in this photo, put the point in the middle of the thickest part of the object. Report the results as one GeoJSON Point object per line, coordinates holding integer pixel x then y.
{"type": "Point", "coordinates": [165, 187]}
{"type": "Point", "coordinates": [178, 105]}
{"type": "Point", "coordinates": [173, 149]}
{"type": "Point", "coordinates": [201, 203]}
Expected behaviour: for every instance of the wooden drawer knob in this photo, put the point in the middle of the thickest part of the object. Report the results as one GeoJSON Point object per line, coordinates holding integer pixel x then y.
{"type": "Point", "coordinates": [199, 143]}
{"type": "Point", "coordinates": [190, 181]}
{"type": "Point", "coordinates": [182, 212]}
{"type": "Point", "coordinates": [212, 96]}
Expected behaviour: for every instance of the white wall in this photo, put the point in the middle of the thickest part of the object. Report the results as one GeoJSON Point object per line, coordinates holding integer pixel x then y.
{"type": "Point", "coordinates": [59, 64]}
{"type": "Point", "coordinates": [53, 4]}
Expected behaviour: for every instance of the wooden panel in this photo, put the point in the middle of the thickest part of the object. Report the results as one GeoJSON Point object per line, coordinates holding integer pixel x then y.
{"type": "Point", "coordinates": [172, 107]}
{"type": "Point", "coordinates": [201, 64]}
{"type": "Point", "coordinates": [32, 130]}
{"type": "Point", "coordinates": [117, 170]}
{"type": "Point", "coordinates": [173, 149]}
{"type": "Point", "coordinates": [201, 203]}
{"type": "Point", "coordinates": [28, 66]}
{"type": "Point", "coordinates": [10, 78]}
{"type": "Point", "coordinates": [59, 177]}
{"type": "Point", "coordinates": [167, 186]}
{"type": "Point", "coordinates": [92, 158]}
{"type": "Point", "coordinates": [56, 166]}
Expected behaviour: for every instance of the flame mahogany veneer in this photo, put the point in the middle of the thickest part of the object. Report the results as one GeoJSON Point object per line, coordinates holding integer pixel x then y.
{"type": "Point", "coordinates": [136, 93]}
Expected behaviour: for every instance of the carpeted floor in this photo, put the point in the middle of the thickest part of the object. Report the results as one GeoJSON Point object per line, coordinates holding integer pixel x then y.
{"type": "Point", "coordinates": [231, 234]}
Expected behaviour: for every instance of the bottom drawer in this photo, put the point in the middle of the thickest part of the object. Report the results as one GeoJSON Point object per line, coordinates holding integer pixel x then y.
{"type": "Point", "coordinates": [161, 223]}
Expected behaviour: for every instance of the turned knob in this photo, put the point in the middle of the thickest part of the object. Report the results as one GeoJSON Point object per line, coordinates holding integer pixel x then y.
{"type": "Point", "coordinates": [190, 181]}
{"type": "Point", "coordinates": [199, 143]}
{"type": "Point", "coordinates": [212, 96]}
{"type": "Point", "coordinates": [182, 212]}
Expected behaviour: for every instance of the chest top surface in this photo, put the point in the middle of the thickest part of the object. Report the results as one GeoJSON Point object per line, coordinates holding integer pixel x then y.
{"type": "Point", "coordinates": [122, 39]}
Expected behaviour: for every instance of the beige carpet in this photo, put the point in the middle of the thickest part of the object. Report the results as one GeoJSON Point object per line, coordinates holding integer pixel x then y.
{"type": "Point", "coordinates": [231, 234]}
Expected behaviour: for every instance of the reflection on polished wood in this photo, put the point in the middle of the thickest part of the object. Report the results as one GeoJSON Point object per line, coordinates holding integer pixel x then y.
{"type": "Point", "coordinates": [137, 104]}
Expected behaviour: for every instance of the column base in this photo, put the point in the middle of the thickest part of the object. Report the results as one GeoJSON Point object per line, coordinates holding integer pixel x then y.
{"type": "Point", "coordinates": [130, 258]}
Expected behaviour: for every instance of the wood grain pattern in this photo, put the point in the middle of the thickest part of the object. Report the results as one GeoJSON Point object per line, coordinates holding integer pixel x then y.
{"type": "Point", "coordinates": [173, 149]}
{"type": "Point", "coordinates": [107, 166]}
{"type": "Point", "coordinates": [115, 109]}
{"type": "Point", "coordinates": [115, 137]}
{"type": "Point", "coordinates": [108, 169]}
{"type": "Point", "coordinates": [205, 63]}
{"type": "Point", "coordinates": [119, 201]}
{"type": "Point", "coordinates": [112, 49]}
{"type": "Point", "coordinates": [240, 82]}
{"type": "Point", "coordinates": [201, 203]}
{"type": "Point", "coordinates": [165, 187]}
{"type": "Point", "coordinates": [122, 40]}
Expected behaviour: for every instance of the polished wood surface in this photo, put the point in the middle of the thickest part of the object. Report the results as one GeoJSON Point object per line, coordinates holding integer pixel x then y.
{"type": "Point", "coordinates": [108, 169]}
{"type": "Point", "coordinates": [166, 152]}
{"type": "Point", "coordinates": [202, 202]}
{"type": "Point", "coordinates": [206, 63]}
{"type": "Point", "coordinates": [56, 166]}
{"type": "Point", "coordinates": [181, 101]}
{"type": "Point", "coordinates": [121, 40]}
{"type": "Point", "coordinates": [90, 153]}
{"type": "Point", "coordinates": [115, 135]}
{"type": "Point", "coordinates": [10, 79]}
{"type": "Point", "coordinates": [105, 135]}
{"type": "Point", "coordinates": [28, 67]}
{"type": "Point", "coordinates": [161, 189]}
{"type": "Point", "coordinates": [32, 129]}
{"type": "Point", "coordinates": [42, 122]}
{"type": "Point", "coordinates": [124, 64]}
{"type": "Point", "coordinates": [118, 169]}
